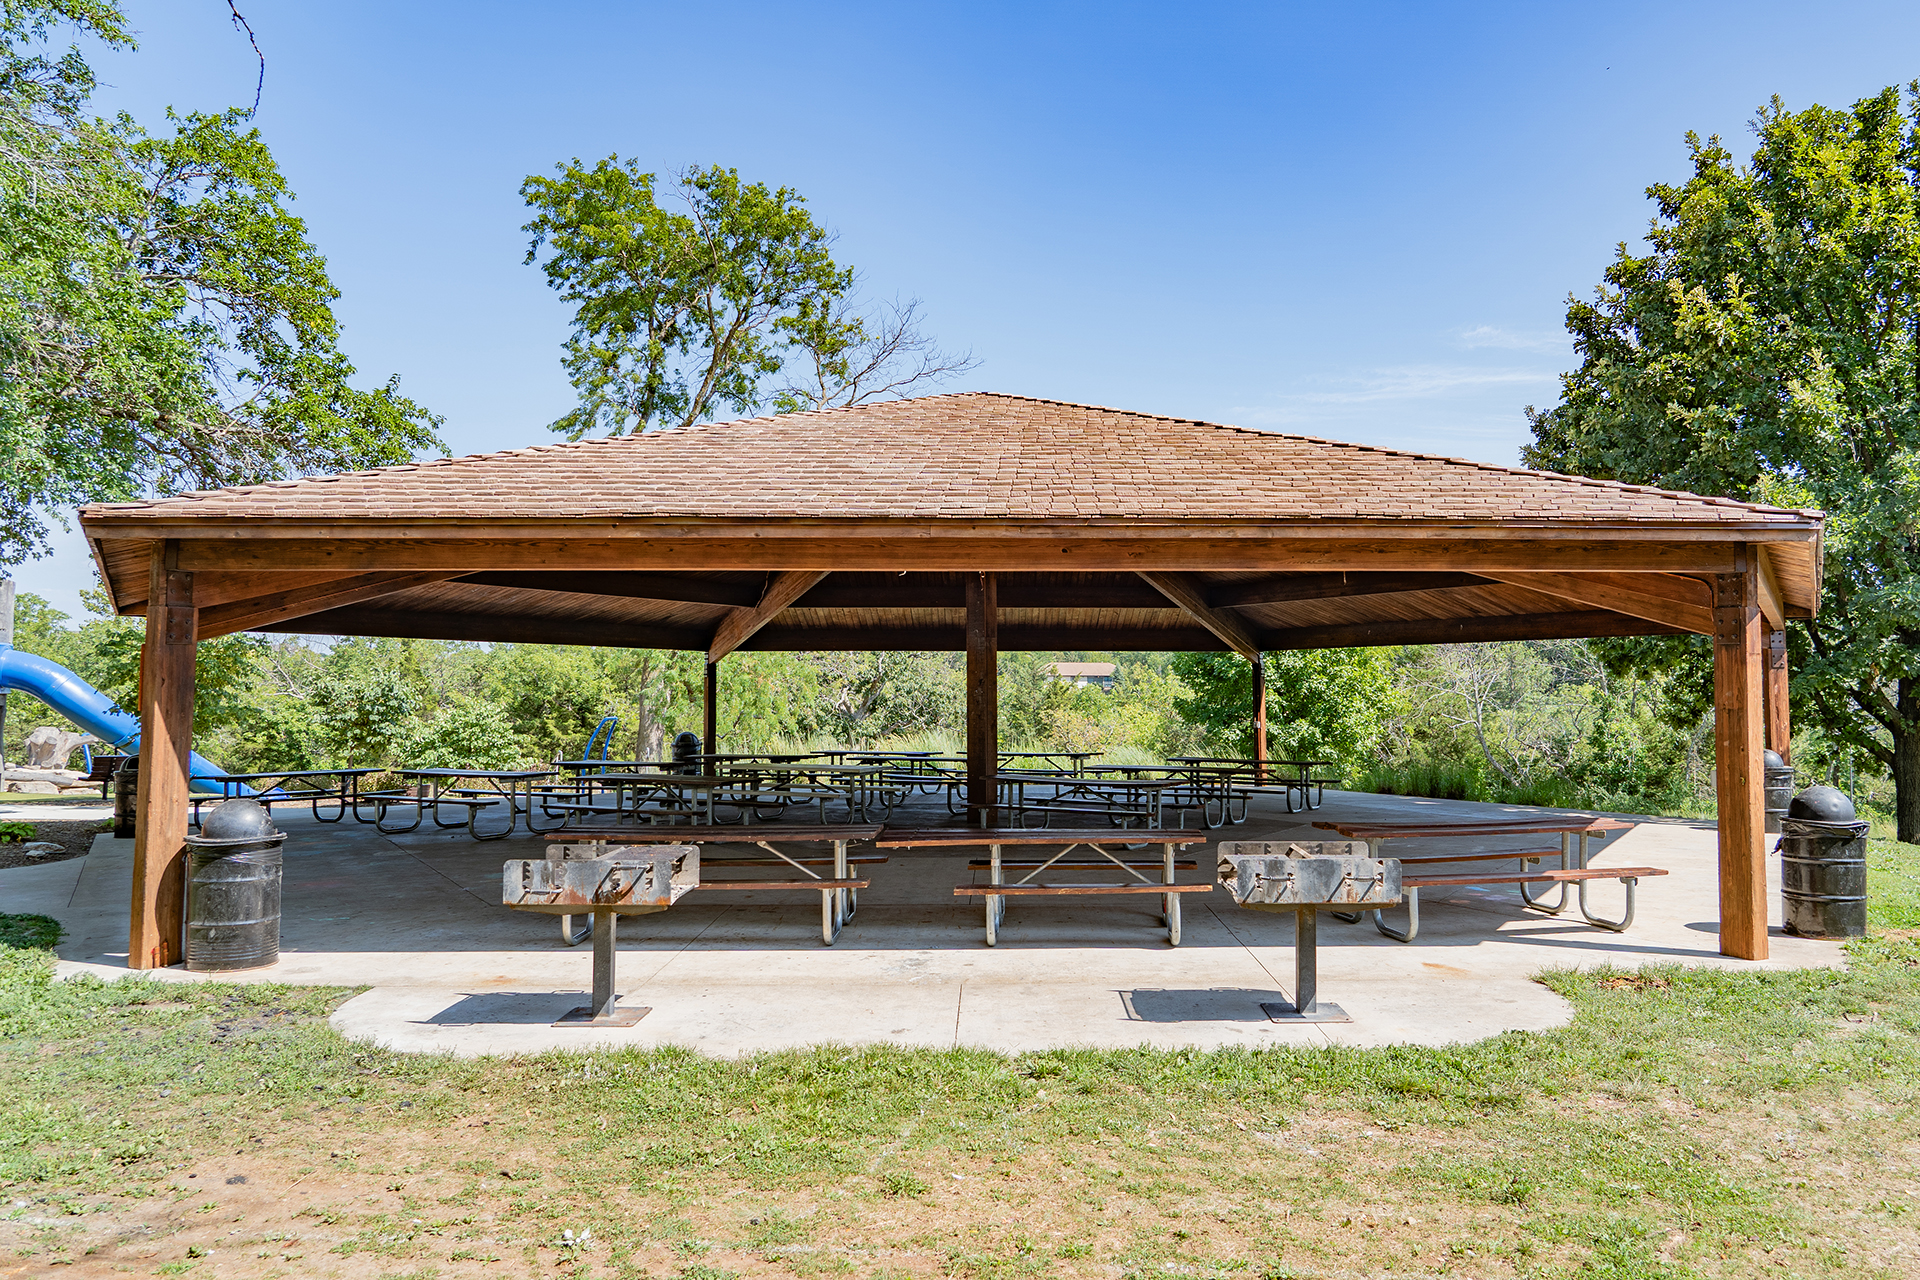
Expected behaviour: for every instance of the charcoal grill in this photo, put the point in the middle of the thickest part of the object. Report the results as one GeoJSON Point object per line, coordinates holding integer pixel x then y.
{"type": "Point", "coordinates": [1306, 878]}
{"type": "Point", "coordinates": [628, 880]}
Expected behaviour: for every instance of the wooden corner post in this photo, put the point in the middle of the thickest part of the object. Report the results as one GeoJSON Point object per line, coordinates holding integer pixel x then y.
{"type": "Point", "coordinates": [1779, 713]}
{"type": "Point", "coordinates": [1259, 717]}
{"type": "Point", "coordinates": [1737, 744]}
{"type": "Point", "coordinates": [983, 697]}
{"type": "Point", "coordinates": [157, 927]}
{"type": "Point", "coordinates": [711, 724]}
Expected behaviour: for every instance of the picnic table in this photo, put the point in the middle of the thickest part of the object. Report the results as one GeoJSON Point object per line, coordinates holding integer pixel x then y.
{"type": "Point", "coordinates": [677, 795]}
{"type": "Point", "coordinates": [776, 785]}
{"type": "Point", "coordinates": [1120, 801]}
{"type": "Point", "coordinates": [1269, 776]}
{"type": "Point", "coordinates": [271, 788]}
{"type": "Point", "coordinates": [1575, 832]}
{"type": "Point", "coordinates": [1100, 846]}
{"type": "Point", "coordinates": [839, 893]}
{"type": "Point", "coordinates": [435, 788]}
{"type": "Point", "coordinates": [1076, 760]}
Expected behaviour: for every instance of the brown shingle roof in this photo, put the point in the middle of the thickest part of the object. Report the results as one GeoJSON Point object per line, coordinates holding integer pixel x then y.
{"type": "Point", "coordinates": [970, 455]}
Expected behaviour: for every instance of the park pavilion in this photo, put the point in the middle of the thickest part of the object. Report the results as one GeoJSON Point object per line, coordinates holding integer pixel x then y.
{"type": "Point", "coordinates": [973, 522]}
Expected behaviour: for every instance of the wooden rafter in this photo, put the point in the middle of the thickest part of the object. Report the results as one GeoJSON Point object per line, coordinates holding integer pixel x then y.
{"type": "Point", "coordinates": [678, 588]}
{"type": "Point", "coordinates": [782, 590]}
{"type": "Point", "coordinates": [1332, 586]}
{"type": "Point", "coordinates": [1624, 593]}
{"type": "Point", "coordinates": [1190, 594]}
{"type": "Point", "coordinates": [1771, 604]}
{"type": "Point", "coordinates": [297, 602]}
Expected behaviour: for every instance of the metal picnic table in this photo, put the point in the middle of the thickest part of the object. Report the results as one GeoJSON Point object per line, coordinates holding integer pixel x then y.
{"type": "Point", "coordinates": [1120, 800]}
{"type": "Point", "coordinates": [496, 785]}
{"type": "Point", "coordinates": [346, 792]}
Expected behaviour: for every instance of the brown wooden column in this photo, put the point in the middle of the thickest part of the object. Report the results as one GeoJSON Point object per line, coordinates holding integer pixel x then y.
{"type": "Point", "coordinates": [1737, 743]}
{"type": "Point", "coordinates": [1260, 717]}
{"type": "Point", "coordinates": [156, 928]}
{"type": "Point", "coordinates": [983, 697]}
{"type": "Point", "coordinates": [1779, 716]}
{"type": "Point", "coordinates": [708, 739]}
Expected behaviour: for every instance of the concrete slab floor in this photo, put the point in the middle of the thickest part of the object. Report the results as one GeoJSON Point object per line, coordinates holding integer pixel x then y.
{"type": "Point", "coordinates": [417, 919]}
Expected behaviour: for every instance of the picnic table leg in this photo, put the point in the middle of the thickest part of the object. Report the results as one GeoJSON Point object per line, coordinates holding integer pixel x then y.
{"type": "Point", "coordinates": [1621, 925]}
{"type": "Point", "coordinates": [996, 906]}
{"type": "Point", "coordinates": [1559, 904]}
{"type": "Point", "coordinates": [574, 937]}
{"type": "Point", "coordinates": [1413, 918]}
{"type": "Point", "coordinates": [1353, 917]}
{"type": "Point", "coordinates": [850, 898]}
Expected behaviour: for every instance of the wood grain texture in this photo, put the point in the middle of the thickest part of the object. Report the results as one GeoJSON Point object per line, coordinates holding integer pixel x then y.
{"type": "Point", "coordinates": [1772, 607]}
{"type": "Point", "coordinates": [156, 923]}
{"type": "Point", "coordinates": [1779, 710]}
{"type": "Point", "coordinates": [1191, 595]}
{"type": "Point", "coordinates": [299, 601]}
{"type": "Point", "coordinates": [983, 696]}
{"type": "Point", "coordinates": [1332, 586]}
{"type": "Point", "coordinates": [1738, 766]}
{"type": "Point", "coordinates": [1618, 593]}
{"type": "Point", "coordinates": [782, 590]}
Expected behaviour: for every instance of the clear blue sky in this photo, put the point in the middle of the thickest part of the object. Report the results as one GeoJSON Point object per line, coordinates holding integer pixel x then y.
{"type": "Point", "coordinates": [1360, 221]}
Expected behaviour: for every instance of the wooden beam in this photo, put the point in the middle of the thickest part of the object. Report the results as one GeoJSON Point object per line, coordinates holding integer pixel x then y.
{"type": "Point", "coordinates": [1190, 594]}
{"type": "Point", "coordinates": [782, 590]}
{"type": "Point", "coordinates": [1604, 591]}
{"type": "Point", "coordinates": [983, 699]}
{"type": "Point", "coordinates": [298, 602]}
{"type": "Point", "coordinates": [211, 590]}
{"type": "Point", "coordinates": [1191, 551]}
{"type": "Point", "coordinates": [1332, 586]}
{"type": "Point", "coordinates": [1014, 638]}
{"type": "Point", "coordinates": [1779, 714]}
{"type": "Point", "coordinates": [1259, 718]}
{"type": "Point", "coordinates": [431, 624]}
{"type": "Point", "coordinates": [156, 924]}
{"type": "Point", "coordinates": [1511, 626]}
{"type": "Point", "coordinates": [710, 722]}
{"type": "Point", "coordinates": [1737, 739]}
{"type": "Point", "coordinates": [679, 588]}
{"type": "Point", "coordinates": [949, 591]}
{"type": "Point", "coordinates": [1772, 604]}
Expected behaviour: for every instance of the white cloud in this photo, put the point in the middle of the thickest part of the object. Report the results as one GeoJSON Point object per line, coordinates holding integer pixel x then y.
{"type": "Point", "coordinates": [1486, 335]}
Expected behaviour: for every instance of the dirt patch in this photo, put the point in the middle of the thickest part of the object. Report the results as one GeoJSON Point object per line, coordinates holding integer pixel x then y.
{"type": "Point", "coordinates": [75, 839]}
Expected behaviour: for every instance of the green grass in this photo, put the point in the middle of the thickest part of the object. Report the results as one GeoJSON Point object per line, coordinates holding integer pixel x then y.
{"type": "Point", "coordinates": [1687, 1123]}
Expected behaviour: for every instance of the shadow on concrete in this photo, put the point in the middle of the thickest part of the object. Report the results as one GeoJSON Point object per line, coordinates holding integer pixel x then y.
{"type": "Point", "coordinates": [1215, 1004]}
{"type": "Point", "coordinates": [493, 1008]}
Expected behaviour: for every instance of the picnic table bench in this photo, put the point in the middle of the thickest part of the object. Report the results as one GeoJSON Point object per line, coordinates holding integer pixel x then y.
{"type": "Point", "coordinates": [1573, 869]}
{"type": "Point", "coordinates": [839, 893]}
{"type": "Point", "coordinates": [997, 889]}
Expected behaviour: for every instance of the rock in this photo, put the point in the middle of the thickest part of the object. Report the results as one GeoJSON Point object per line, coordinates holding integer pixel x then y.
{"type": "Point", "coordinates": [33, 787]}
{"type": "Point", "coordinates": [48, 747]}
{"type": "Point", "coordinates": [41, 848]}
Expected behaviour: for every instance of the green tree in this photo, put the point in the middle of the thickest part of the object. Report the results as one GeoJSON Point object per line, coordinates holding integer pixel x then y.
{"type": "Point", "coordinates": [1322, 704]}
{"type": "Point", "coordinates": [677, 313]}
{"type": "Point", "coordinates": [164, 320]}
{"type": "Point", "coordinates": [1764, 348]}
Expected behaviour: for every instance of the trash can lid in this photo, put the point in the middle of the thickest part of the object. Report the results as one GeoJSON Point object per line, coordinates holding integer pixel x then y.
{"type": "Point", "coordinates": [238, 819]}
{"type": "Point", "coordinates": [1822, 804]}
{"type": "Point", "coordinates": [1771, 760]}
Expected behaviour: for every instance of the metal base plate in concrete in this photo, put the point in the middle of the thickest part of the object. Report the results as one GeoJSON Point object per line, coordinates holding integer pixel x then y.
{"type": "Point", "coordinates": [1322, 1012]}
{"type": "Point", "coordinates": [583, 1017]}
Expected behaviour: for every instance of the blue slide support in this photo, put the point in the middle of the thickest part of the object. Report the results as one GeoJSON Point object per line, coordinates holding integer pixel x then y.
{"type": "Point", "coordinates": [91, 709]}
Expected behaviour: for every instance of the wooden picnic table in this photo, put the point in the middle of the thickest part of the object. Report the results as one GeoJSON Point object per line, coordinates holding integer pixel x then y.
{"type": "Point", "coordinates": [1574, 830]}
{"type": "Point", "coordinates": [1122, 798]}
{"type": "Point", "coordinates": [839, 894]}
{"type": "Point", "coordinates": [1101, 843]}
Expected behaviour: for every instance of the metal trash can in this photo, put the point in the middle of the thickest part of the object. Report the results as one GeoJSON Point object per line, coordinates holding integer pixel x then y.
{"type": "Point", "coordinates": [233, 889]}
{"type": "Point", "coordinates": [1823, 866]}
{"type": "Point", "coordinates": [686, 752]}
{"type": "Point", "coordinates": [1779, 788]}
{"type": "Point", "coordinates": [126, 790]}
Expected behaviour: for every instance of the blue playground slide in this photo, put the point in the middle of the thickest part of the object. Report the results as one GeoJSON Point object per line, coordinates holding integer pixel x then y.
{"type": "Point", "coordinates": [89, 708]}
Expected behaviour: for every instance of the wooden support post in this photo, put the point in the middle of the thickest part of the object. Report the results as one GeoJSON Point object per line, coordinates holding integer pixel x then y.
{"type": "Point", "coordinates": [1737, 739]}
{"type": "Point", "coordinates": [1779, 717]}
{"type": "Point", "coordinates": [157, 926]}
{"type": "Point", "coordinates": [708, 741]}
{"type": "Point", "coordinates": [1259, 717]}
{"type": "Point", "coordinates": [983, 697]}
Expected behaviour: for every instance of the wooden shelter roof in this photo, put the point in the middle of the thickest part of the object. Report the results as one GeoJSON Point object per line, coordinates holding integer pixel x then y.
{"type": "Point", "coordinates": [854, 528]}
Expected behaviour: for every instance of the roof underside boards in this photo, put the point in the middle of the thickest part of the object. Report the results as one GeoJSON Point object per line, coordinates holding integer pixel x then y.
{"type": "Point", "coordinates": [657, 540]}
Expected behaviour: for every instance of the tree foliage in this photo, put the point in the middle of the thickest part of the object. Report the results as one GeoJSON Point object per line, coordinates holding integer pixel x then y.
{"type": "Point", "coordinates": [1322, 704]}
{"type": "Point", "coordinates": [1764, 348]}
{"type": "Point", "coordinates": [679, 312]}
{"type": "Point", "coordinates": [164, 320]}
